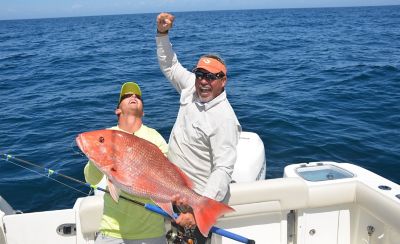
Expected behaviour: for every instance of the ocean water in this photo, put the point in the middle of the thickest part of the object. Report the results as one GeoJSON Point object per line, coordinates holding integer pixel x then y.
{"type": "Point", "coordinates": [314, 84]}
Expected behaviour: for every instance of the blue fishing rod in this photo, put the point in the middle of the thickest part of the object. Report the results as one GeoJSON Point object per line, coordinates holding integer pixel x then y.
{"type": "Point", "coordinates": [148, 206]}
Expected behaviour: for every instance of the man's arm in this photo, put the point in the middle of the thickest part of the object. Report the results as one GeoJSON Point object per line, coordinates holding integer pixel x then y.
{"type": "Point", "coordinates": [180, 77]}
{"type": "Point", "coordinates": [224, 152]}
{"type": "Point", "coordinates": [92, 174]}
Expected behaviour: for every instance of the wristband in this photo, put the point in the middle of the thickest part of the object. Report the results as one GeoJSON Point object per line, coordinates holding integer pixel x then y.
{"type": "Point", "coordinates": [162, 33]}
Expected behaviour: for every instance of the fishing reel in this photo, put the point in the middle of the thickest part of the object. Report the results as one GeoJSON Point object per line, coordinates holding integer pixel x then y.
{"type": "Point", "coordinates": [179, 235]}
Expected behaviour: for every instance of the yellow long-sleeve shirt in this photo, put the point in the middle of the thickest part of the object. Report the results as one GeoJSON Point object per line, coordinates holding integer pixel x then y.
{"type": "Point", "coordinates": [124, 219]}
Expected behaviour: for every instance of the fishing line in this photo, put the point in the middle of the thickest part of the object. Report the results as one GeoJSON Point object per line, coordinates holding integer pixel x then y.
{"type": "Point", "coordinates": [50, 172]}
{"type": "Point", "coordinates": [47, 170]}
{"type": "Point", "coordinates": [46, 175]}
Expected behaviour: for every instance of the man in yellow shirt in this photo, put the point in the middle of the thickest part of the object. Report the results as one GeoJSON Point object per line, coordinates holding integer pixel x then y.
{"type": "Point", "coordinates": [125, 222]}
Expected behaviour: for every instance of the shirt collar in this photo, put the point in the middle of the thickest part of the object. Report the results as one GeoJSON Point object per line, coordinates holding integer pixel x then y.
{"type": "Point", "coordinates": [118, 128]}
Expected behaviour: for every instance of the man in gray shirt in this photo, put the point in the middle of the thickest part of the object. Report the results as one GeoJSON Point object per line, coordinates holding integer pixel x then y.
{"type": "Point", "coordinates": [206, 131]}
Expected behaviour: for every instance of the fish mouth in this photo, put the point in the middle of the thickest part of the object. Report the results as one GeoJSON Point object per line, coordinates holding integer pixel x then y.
{"type": "Point", "coordinates": [79, 142]}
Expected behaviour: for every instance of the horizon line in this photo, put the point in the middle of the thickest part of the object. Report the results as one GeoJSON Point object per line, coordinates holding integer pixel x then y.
{"type": "Point", "coordinates": [189, 11]}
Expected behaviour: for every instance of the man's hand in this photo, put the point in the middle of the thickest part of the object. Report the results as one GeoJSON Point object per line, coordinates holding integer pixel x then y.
{"type": "Point", "coordinates": [164, 22]}
{"type": "Point", "coordinates": [185, 219]}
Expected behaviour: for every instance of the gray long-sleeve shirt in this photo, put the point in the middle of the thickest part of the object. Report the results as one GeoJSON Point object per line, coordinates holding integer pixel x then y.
{"type": "Point", "coordinates": [205, 135]}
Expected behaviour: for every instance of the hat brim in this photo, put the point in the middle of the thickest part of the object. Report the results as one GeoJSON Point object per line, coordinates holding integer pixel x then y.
{"type": "Point", "coordinates": [129, 87]}
{"type": "Point", "coordinates": [211, 65]}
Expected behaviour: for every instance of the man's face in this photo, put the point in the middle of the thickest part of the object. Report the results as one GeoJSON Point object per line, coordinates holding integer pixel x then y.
{"type": "Point", "coordinates": [208, 85]}
{"type": "Point", "coordinates": [131, 104]}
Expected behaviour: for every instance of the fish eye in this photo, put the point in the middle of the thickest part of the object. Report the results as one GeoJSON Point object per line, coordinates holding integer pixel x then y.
{"type": "Point", "coordinates": [101, 139]}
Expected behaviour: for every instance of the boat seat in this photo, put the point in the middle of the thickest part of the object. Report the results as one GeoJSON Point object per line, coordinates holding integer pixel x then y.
{"type": "Point", "coordinates": [274, 195]}
{"type": "Point", "coordinates": [90, 213]}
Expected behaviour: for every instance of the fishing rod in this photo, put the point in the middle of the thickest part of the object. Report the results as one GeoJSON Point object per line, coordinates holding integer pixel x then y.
{"type": "Point", "coordinates": [148, 206]}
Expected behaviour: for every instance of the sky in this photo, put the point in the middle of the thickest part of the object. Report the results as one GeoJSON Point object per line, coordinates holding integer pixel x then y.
{"type": "Point", "coordinates": [32, 9]}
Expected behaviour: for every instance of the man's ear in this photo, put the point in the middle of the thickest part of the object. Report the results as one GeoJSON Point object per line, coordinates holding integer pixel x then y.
{"type": "Point", "coordinates": [118, 111]}
{"type": "Point", "coordinates": [224, 81]}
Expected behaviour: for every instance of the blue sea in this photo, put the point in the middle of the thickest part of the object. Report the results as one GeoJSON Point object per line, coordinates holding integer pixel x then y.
{"type": "Point", "coordinates": [314, 84]}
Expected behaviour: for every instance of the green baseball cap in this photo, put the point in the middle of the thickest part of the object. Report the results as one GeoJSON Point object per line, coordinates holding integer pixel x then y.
{"type": "Point", "coordinates": [129, 87]}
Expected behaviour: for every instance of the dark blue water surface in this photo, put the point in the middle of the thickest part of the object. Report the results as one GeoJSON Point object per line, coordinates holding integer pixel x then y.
{"type": "Point", "coordinates": [315, 84]}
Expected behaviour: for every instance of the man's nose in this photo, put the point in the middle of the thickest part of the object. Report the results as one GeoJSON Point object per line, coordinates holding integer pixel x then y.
{"type": "Point", "coordinates": [204, 81]}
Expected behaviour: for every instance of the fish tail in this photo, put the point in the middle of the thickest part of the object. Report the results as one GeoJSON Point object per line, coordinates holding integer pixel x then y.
{"type": "Point", "coordinates": [207, 212]}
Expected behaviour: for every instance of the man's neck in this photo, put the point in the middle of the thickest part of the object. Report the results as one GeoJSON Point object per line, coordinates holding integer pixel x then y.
{"type": "Point", "coordinates": [129, 123]}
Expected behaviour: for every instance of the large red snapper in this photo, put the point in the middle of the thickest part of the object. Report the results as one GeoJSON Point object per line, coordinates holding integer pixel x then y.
{"type": "Point", "coordinates": [138, 167]}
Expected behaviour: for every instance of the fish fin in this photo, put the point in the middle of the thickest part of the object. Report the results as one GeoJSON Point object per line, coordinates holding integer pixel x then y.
{"type": "Point", "coordinates": [166, 206]}
{"type": "Point", "coordinates": [186, 179]}
{"type": "Point", "coordinates": [114, 191]}
{"type": "Point", "coordinates": [207, 212]}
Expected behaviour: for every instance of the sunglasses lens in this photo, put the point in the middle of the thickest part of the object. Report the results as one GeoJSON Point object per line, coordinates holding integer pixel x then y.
{"type": "Point", "coordinates": [207, 76]}
{"type": "Point", "coordinates": [211, 76]}
{"type": "Point", "coordinates": [199, 74]}
{"type": "Point", "coordinates": [129, 95]}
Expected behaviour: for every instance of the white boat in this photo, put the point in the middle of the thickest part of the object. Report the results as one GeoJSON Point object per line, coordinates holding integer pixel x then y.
{"type": "Point", "coordinates": [313, 203]}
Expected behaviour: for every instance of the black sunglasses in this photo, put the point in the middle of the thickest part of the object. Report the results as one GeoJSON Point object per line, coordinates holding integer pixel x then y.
{"type": "Point", "coordinates": [129, 95]}
{"type": "Point", "coordinates": [208, 76]}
